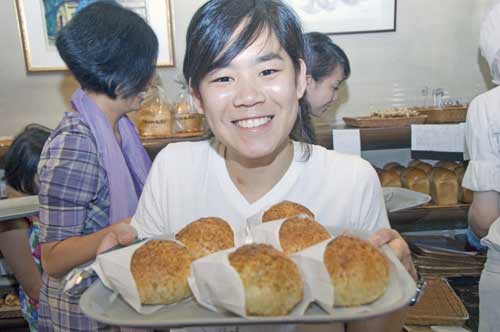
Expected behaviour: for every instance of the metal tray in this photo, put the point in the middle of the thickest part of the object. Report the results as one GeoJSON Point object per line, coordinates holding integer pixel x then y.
{"type": "Point", "coordinates": [13, 208]}
{"type": "Point", "coordinates": [101, 304]}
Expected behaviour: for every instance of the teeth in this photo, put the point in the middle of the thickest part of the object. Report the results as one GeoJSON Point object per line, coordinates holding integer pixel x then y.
{"type": "Point", "coordinates": [252, 123]}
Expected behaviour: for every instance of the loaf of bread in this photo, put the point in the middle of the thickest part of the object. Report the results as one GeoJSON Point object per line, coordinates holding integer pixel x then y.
{"type": "Point", "coordinates": [447, 164]}
{"type": "Point", "coordinates": [416, 179]}
{"type": "Point", "coordinates": [272, 282]}
{"type": "Point", "coordinates": [285, 209]}
{"type": "Point", "coordinates": [298, 233]}
{"type": "Point", "coordinates": [444, 186]}
{"type": "Point", "coordinates": [389, 178]}
{"type": "Point", "coordinates": [359, 272]}
{"type": "Point", "coordinates": [414, 163]}
{"type": "Point", "coordinates": [206, 236]}
{"type": "Point", "coordinates": [160, 269]}
{"type": "Point", "coordinates": [392, 165]}
{"type": "Point", "coordinates": [464, 194]}
{"type": "Point", "coordinates": [427, 168]}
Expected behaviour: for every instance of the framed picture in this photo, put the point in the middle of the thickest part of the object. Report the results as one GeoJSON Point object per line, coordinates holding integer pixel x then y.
{"type": "Point", "coordinates": [40, 21]}
{"type": "Point", "coordinates": [346, 16]}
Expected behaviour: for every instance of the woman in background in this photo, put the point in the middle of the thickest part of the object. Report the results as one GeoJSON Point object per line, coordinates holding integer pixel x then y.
{"type": "Point", "coordinates": [93, 167]}
{"type": "Point", "coordinates": [19, 238]}
{"type": "Point", "coordinates": [327, 68]}
{"type": "Point", "coordinates": [483, 175]}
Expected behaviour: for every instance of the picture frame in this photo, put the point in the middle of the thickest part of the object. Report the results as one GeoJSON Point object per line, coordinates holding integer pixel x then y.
{"type": "Point", "coordinates": [39, 28]}
{"type": "Point", "coordinates": [335, 17]}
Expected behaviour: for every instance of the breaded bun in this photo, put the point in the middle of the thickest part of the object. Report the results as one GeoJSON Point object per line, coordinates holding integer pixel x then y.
{"type": "Point", "coordinates": [414, 162]}
{"type": "Point", "coordinates": [392, 165]}
{"type": "Point", "coordinates": [390, 178]}
{"type": "Point", "coordinates": [447, 164]}
{"type": "Point", "coordinates": [464, 195]}
{"type": "Point", "coordinates": [205, 236]}
{"type": "Point", "coordinates": [272, 282]}
{"type": "Point", "coordinates": [285, 209]}
{"type": "Point", "coordinates": [416, 179]}
{"type": "Point", "coordinates": [359, 272]}
{"type": "Point", "coordinates": [427, 168]}
{"type": "Point", "coordinates": [160, 269]}
{"type": "Point", "coordinates": [444, 186]}
{"type": "Point", "coordinates": [298, 233]}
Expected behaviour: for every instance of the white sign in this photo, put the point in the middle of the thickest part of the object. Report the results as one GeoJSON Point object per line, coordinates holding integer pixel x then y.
{"type": "Point", "coordinates": [438, 138]}
{"type": "Point", "coordinates": [347, 141]}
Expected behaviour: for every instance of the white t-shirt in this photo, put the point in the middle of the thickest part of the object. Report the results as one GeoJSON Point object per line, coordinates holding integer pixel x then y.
{"type": "Point", "coordinates": [189, 180]}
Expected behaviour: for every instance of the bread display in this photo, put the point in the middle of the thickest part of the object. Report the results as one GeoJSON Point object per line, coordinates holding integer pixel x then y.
{"type": "Point", "coordinates": [390, 178]}
{"type": "Point", "coordinates": [285, 209]}
{"type": "Point", "coordinates": [12, 300]}
{"type": "Point", "coordinates": [272, 282]}
{"type": "Point", "coordinates": [427, 168]}
{"type": "Point", "coordinates": [298, 233]}
{"type": "Point", "coordinates": [160, 269]}
{"type": "Point", "coordinates": [206, 236]}
{"type": "Point", "coordinates": [444, 186]}
{"type": "Point", "coordinates": [464, 194]}
{"type": "Point", "coordinates": [416, 179]}
{"type": "Point", "coordinates": [359, 272]}
{"type": "Point", "coordinates": [447, 164]}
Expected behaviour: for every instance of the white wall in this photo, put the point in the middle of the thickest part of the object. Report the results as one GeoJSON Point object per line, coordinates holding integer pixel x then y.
{"type": "Point", "coordinates": [435, 45]}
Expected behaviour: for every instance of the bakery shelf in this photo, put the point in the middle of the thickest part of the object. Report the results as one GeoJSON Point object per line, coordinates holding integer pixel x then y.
{"type": "Point", "coordinates": [154, 145]}
{"type": "Point", "coordinates": [382, 138]}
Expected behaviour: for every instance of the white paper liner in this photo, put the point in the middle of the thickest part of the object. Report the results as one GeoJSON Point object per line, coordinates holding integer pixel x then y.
{"type": "Point", "coordinates": [315, 274]}
{"type": "Point", "coordinates": [113, 268]}
{"type": "Point", "coordinates": [217, 286]}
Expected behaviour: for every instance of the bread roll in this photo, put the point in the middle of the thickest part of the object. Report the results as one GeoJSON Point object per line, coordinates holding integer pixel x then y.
{"type": "Point", "coordinates": [206, 236]}
{"type": "Point", "coordinates": [272, 282]}
{"type": "Point", "coordinates": [416, 179]}
{"type": "Point", "coordinates": [160, 269]}
{"type": "Point", "coordinates": [298, 233]}
{"type": "Point", "coordinates": [285, 209]}
{"type": "Point", "coordinates": [427, 168]}
{"type": "Point", "coordinates": [444, 186]}
{"type": "Point", "coordinates": [447, 164]}
{"type": "Point", "coordinates": [359, 272]}
{"type": "Point", "coordinates": [464, 194]}
{"type": "Point", "coordinates": [392, 165]}
{"type": "Point", "coordinates": [414, 163]}
{"type": "Point", "coordinates": [390, 178]}
{"type": "Point", "coordinates": [12, 300]}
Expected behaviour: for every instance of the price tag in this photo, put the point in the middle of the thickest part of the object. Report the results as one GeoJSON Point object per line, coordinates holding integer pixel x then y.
{"type": "Point", "coordinates": [438, 138]}
{"type": "Point", "coordinates": [347, 141]}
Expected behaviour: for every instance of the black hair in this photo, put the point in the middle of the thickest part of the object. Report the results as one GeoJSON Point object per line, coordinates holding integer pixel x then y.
{"type": "Point", "coordinates": [214, 23]}
{"type": "Point", "coordinates": [109, 49]}
{"type": "Point", "coordinates": [22, 157]}
{"type": "Point", "coordinates": [323, 56]}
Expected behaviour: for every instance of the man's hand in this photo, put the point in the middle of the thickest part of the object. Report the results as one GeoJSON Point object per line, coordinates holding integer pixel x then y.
{"type": "Point", "coordinates": [398, 245]}
{"type": "Point", "coordinates": [121, 233]}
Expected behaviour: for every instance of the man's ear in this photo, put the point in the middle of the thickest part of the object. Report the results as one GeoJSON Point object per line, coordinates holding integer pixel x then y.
{"type": "Point", "coordinates": [301, 80]}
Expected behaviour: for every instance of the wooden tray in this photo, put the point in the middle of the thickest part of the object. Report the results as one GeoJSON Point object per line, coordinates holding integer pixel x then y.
{"type": "Point", "coordinates": [439, 305]}
{"type": "Point", "coordinates": [374, 122]}
{"type": "Point", "coordinates": [10, 311]}
{"type": "Point", "coordinates": [450, 114]}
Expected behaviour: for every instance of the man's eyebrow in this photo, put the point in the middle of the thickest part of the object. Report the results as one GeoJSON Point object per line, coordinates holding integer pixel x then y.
{"type": "Point", "coordinates": [268, 57]}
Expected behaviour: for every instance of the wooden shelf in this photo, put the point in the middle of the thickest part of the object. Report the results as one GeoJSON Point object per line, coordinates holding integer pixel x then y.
{"type": "Point", "coordinates": [154, 145]}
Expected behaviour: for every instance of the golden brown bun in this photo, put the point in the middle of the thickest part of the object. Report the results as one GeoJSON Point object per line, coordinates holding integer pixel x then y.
{"type": "Point", "coordinates": [298, 233]}
{"type": "Point", "coordinates": [272, 282]}
{"type": "Point", "coordinates": [205, 236]}
{"type": "Point", "coordinates": [416, 179]}
{"type": "Point", "coordinates": [390, 178]}
{"type": "Point", "coordinates": [414, 163]}
{"type": "Point", "coordinates": [160, 269]}
{"type": "Point", "coordinates": [427, 168]}
{"type": "Point", "coordinates": [12, 300]}
{"type": "Point", "coordinates": [359, 272]}
{"type": "Point", "coordinates": [285, 209]}
{"type": "Point", "coordinates": [464, 194]}
{"type": "Point", "coordinates": [444, 186]}
{"type": "Point", "coordinates": [392, 165]}
{"type": "Point", "coordinates": [447, 164]}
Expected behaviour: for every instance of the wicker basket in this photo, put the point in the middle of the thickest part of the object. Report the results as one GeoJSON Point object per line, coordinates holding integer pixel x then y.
{"type": "Point", "coordinates": [439, 305]}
